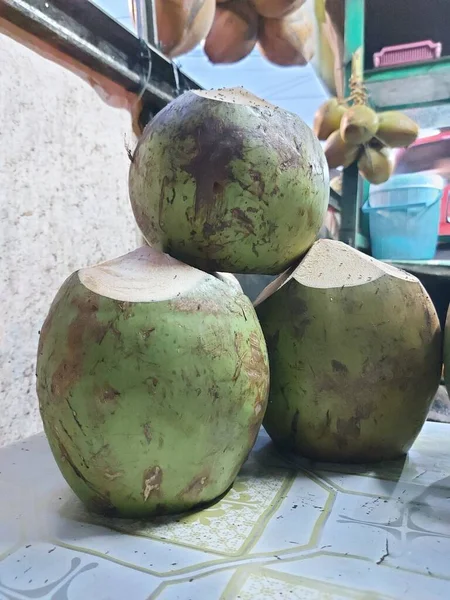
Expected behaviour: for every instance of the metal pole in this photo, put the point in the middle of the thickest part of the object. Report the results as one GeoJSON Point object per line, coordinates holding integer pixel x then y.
{"type": "Point", "coordinates": [148, 7]}
{"type": "Point", "coordinates": [353, 56]}
{"type": "Point", "coordinates": [146, 25]}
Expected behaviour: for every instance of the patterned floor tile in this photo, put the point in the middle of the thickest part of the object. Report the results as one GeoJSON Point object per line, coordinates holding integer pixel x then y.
{"type": "Point", "coordinates": [46, 572]}
{"type": "Point", "coordinates": [267, 584]}
{"type": "Point", "coordinates": [376, 581]}
{"type": "Point", "coordinates": [227, 528]}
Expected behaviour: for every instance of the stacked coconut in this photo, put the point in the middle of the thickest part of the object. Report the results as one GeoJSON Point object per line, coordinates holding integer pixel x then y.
{"type": "Point", "coordinates": [153, 372]}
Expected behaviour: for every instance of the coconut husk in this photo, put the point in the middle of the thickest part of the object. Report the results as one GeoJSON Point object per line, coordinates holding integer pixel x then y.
{"type": "Point", "coordinates": [397, 130]}
{"type": "Point", "coordinates": [233, 34]}
{"type": "Point", "coordinates": [348, 381]}
{"type": "Point", "coordinates": [375, 165]}
{"type": "Point", "coordinates": [338, 153]}
{"type": "Point", "coordinates": [359, 124]}
{"type": "Point", "coordinates": [288, 41]}
{"type": "Point", "coordinates": [182, 24]}
{"type": "Point", "coordinates": [123, 357]}
{"type": "Point", "coordinates": [328, 118]}
{"type": "Point", "coordinates": [212, 198]}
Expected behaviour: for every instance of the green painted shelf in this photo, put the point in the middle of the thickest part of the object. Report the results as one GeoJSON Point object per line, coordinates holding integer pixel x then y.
{"type": "Point", "coordinates": [412, 85]}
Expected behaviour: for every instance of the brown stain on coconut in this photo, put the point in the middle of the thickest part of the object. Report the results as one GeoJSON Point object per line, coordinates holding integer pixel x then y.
{"type": "Point", "coordinates": [126, 309]}
{"type": "Point", "coordinates": [147, 432]}
{"type": "Point", "coordinates": [196, 486]}
{"type": "Point", "coordinates": [191, 304]}
{"type": "Point", "coordinates": [102, 505]}
{"type": "Point", "coordinates": [300, 317]}
{"type": "Point", "coordinates": [48, 323]}
{"type": "Point", "coordinates": [211, 168]}
{"type": "Point", "coordinates": [113, 475]}
{"type": "Point", "coordinates": [246, 222]}
{"type": "Point", "coordinates": [338, 367]}
{"type": "Point", "coordinates": [254, 363]}
{"type": "Point", "coordinates": [109, 395]}
{"type": "Point", "coordinates": [151, 482]}
{"type": "Point", "coordinates": [255, 423]}
{"type": "Point", "coordinates": [347, 429]}
{"type": "Point", "coordinates": [84, 326]}
{"type": "Point", "coordinates": [98, 502]}
{"type": "Point", "coordinates": [294, 426]}
{"type": "Point", "coordinates": [341, 383]}
{"type": "Point", "coordinates": [46, 327]}
{"type": "Point", "coordinates": [251, 359]}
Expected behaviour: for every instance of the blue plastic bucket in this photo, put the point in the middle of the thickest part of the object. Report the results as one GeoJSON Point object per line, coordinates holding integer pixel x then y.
{"type": "Point", "coordinates": [404, 216]}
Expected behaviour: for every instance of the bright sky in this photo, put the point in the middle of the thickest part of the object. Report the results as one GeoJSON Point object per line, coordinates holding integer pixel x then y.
{"type": "Point", "coordinates": [295, 88]}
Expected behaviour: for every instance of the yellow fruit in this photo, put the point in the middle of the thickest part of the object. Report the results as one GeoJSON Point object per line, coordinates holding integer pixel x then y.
{"type": "Point", "coordinates": [396, 129]}
{"type": "Point", "coordinates": [338, 153]}
{"type": "Point", "coordinates": [375, 165]}
{"type": "Point", "coordinates": [328, 118]}
{"type": "Point", "coordinates": [359, 124]}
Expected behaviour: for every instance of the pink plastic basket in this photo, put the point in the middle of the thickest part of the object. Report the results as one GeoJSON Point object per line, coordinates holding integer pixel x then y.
{"type": "Point", "coordinates": [407, 53]}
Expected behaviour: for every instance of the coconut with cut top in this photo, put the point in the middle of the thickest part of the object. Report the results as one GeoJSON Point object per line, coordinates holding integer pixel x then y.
{"type": "Point", "coordinates": [225, 181]}
{"type": "Point", "coordinates": [355, 356]}
{"type": "Point", "coordinates": [152, 379]}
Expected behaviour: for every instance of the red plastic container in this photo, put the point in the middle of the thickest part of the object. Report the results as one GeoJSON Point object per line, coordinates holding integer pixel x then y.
{"type": "Point", "coordinates": [407, 53]}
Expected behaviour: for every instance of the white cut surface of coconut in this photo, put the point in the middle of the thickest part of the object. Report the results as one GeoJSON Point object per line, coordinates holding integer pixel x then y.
{"type": "Point", "coordinates": [345, 267]}
{"type": "Point", "coordinates": [229, 279]}
{"type": "Point", "coordinates": [143, 275]}
{"type": "Point", "coordinates": [237, 95]}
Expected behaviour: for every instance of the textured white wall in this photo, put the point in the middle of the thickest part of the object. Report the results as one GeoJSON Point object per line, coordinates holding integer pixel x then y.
{"type": "Point", "coordinates": [63, 205]}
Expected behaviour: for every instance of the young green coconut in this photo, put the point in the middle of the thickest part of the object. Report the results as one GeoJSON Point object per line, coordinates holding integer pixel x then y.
{"type": "Point", "coordinates": [225, 181]}
{"type": "Point", "coordinates": [338, 153]}
{"type": "Point", "coordinates": [396, 130]}
{"type": "Point", "coordinates": [375, 164]}
{"type": "Point", "coordinates": [152, 379]}
{"type": "Point", "coordinates": [328, 118]}
{"type": "Point", "coordinates": [359, 123]}
{"type": "Point", "coordinates": [355, 356]}
{"type": "Point", "coordinates": [447, 352]}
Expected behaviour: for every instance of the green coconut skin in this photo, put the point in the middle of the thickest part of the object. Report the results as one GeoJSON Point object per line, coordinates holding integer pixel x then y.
{"type": "Point", "coordinates": [238, 186]}
{"type": "Point", "coordinates": [353, 369]}
{"type": "Point", "coordinates": [151, 407]}
{"type": "Point", "coordinates": [447, 352]}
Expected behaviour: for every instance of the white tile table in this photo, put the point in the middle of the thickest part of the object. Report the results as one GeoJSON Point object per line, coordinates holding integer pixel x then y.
{"type": "Point", "coordinates": [286, 530]}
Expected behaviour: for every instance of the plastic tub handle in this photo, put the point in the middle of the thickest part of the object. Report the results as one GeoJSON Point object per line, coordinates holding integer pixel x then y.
{"type": "Point", "coordinates": [367, 208]}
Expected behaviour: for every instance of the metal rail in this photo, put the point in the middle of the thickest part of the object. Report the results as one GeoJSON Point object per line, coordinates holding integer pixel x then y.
{"type": "Point", "coordinates": [86, 33]}
{"type": "Point", "coordinates": [354, 46]}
